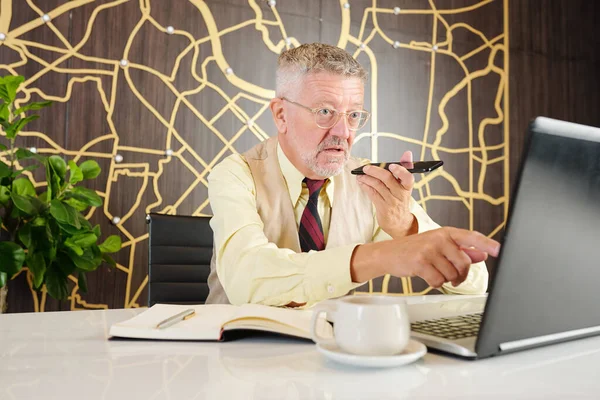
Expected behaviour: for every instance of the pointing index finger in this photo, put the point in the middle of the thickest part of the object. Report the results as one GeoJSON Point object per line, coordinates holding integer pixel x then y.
{"type": "Point", "coordinates": [475, 239]}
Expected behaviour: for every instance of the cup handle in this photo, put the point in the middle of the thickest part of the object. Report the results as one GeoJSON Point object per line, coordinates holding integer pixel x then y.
{"type": "Point", "coordinates": [329, 308]}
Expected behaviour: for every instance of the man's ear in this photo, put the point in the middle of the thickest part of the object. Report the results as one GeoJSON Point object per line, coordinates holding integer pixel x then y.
{"type": "Point", "coordinates": [279, 117]}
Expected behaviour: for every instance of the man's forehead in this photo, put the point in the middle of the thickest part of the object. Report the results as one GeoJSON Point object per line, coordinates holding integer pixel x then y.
{"type": "Point", "coordinates": [333, 89]}
{"type": "Point", "coordinates": [329, 79]}
{"type": "Point", "coordinates": [353, 101]}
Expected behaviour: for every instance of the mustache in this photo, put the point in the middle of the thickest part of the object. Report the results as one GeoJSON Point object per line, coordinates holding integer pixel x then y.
{"type": "Point", "coordinates": [333, 141]}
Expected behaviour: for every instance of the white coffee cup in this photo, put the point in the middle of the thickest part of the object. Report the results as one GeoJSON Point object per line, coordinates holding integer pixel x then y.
{"type": "Point", "coordinates": [365, 325]}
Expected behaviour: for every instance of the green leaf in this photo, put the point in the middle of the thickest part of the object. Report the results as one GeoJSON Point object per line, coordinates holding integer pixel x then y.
{"type": "Point", "coordinates": [88, 261]}
{"type": "Point", "coordinates": [37, 266]}
{"type": "Point", "coordinates": [76, 175]}
{"type": "Point", "coordinates": [84, 239]}
{"type": "Point", "coordinates": [38, 204]}
{"type": "Point", "coordinates": [112, 244]}
{"type": "Point", "coordinates": [97, 254]}
{"type": "Point", "coordinates": [64, 213]}
{"type": "Point", "coordinates": [96, 231]}
{"type": "Point", "coordinates": [59, 212]}
{"type": "Point", "coordinates": [53, 234]}
{"type": "Point", "coordinates": [38, 221]}
{"type": "Point", "coordinates": [52, 190]}
{"type": "Point", "coordinates": [40, 242]}
{"type": "Point", "coordinates": [59, 166]}
{"type": "Point", "coordinates": [3, 279]}
{"type": "Point", "coordinates": [9, 86]}
{"type": "Point", "coordinates": [43, 197]}
{"type": "Point", "coordinates": [3, 147]}
{"type": "Point", "coordinates": [24, 154]}
{"type": "Point", "coordinates": [24, 187]}
{"type": "Point", "coordinates": [4, 195]}
{"type": "Point", "coordinates": [24, 204]}
{"type": "Point", "coordinates": [82, 282]}
{"type": "Point", "coordinates": [70, 229]}
{"type": "Point", "coordinates": [4, 112]}
{"type": "Point", "coordinates": [3, 92]}
{"type": "Point", "coordinates": [56, 283]}
{"type": "Point", "coordinates": [56, 185]}
{"type": "Point", "coordinates": [75, 248]}
{"type": "Point", "coordinates": [85, 224]}
{"type": "Point", "coordinates": [76, 204]}
{"type": "Point", "coordinates": [108, 259]}
{"type": "Point", "coordinates": [32, 106]}
{"type": "Point", "coordinates": [12, 257]}
{"type": "Point", "coordinates": [24, 197]}
{"type": "Point", "coordinates": [90, 169]}
{"type": "Point", "coordinates": [65, 263]}
{"type": "Point", "coordinates": [16, 126]}
{"type": "Point", "coordinates": [25, 236]}
{"type": "Point", "coordinates": [4, 170]}
{"type": "Point", "coordinates": [87, 196]}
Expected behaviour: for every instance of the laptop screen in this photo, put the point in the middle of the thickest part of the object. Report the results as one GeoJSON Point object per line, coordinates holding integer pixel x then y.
{"type": "Point", "coordinates": [547, 276]}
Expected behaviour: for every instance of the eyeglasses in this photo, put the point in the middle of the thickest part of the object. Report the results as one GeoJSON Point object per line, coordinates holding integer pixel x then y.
{"type": "Point", "coordinates": [327, 117]}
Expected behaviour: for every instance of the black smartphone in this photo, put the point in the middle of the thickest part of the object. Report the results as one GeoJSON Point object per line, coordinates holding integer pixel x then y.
{"type": "Point", "coordinates": [414, 167]}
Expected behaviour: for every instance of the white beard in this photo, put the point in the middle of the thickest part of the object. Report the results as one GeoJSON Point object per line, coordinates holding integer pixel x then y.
{"type": "Point", "coordinates": [332, 167]}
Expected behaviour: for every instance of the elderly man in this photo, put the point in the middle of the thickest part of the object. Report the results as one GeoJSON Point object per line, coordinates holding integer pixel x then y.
{"type": "Point", "coordinates": [293, 227]}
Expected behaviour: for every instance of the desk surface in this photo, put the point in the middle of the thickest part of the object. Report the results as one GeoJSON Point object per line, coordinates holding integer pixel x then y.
{"type": "Point", "coordinates": [66, 355]}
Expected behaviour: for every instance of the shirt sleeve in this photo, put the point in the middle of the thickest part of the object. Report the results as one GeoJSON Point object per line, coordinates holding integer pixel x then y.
{"type": "Point", "coordinates": [254, 270]}
{"type": "Point", "coordinates": [477, 279]}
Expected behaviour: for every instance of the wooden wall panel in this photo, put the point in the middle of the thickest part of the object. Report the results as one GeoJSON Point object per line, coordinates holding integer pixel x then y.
{"type": "Point", "coordinates": [555, 56]}
{"type": "Point", "coordinates": [176, 92]}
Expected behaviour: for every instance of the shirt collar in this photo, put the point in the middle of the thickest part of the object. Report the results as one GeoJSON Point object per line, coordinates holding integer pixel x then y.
{"type": "Point", "coordinates": [293, 178]}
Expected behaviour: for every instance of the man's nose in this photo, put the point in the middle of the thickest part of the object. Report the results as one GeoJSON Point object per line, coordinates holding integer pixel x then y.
{"type": "Point", "coordinates": [340, 129]}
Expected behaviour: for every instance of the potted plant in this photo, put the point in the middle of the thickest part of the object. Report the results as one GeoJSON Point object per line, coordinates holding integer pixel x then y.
{"type": "Point", "coordinates": [45, 230]}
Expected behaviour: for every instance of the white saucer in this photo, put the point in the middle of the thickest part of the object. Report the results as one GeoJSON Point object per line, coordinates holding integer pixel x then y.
{"type": "Point", "coordinates": [413, 351]}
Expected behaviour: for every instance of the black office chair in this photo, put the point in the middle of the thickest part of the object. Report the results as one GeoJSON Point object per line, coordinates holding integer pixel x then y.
{"type": "Point", "coordinates": [180, 249]}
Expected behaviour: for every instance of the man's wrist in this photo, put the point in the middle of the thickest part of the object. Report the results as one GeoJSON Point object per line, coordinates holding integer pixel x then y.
{"type": "Point", "coordinates": [410, 226]}
{"type": "Point", "coordinates": [363, 263]}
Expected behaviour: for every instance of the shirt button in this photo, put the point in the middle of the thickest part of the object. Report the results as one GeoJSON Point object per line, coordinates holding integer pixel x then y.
{"type": "Point", "coordinates": [330, 288]}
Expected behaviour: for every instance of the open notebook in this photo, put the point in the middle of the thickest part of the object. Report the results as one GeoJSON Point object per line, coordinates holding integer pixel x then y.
{"type": "Point", "coordinates": [212, 321]}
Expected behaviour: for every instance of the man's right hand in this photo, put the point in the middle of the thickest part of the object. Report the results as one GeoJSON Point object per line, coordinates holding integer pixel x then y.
{"type": "Point", "coordinates": [438, 256]}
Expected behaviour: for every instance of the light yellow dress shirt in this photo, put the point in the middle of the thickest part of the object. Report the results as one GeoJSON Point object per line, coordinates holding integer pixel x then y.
{"type": "Point", "coordinates": [252, 270]}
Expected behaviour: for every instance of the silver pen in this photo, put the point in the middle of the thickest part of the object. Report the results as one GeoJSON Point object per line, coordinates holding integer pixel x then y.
{"type": "Point", "coordinates": [187, 314]}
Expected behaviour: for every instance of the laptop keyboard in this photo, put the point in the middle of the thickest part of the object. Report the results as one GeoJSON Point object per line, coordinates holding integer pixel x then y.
{"type": "Point", "coordinates": [460, 327]}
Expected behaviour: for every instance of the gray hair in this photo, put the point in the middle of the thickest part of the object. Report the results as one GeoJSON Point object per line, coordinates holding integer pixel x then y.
{"type": "Point", "coordinates": [310, 58]}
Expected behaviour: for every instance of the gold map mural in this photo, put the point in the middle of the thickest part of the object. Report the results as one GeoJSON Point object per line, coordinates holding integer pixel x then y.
{"type": "Point", "coordinates": [160, 91]}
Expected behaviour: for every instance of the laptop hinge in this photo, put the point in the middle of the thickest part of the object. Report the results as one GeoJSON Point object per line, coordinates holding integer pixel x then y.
{"type": "Point", "coordinates": [554, 337]}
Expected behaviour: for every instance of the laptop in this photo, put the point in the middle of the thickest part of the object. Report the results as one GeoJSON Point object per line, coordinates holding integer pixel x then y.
{"type": "Point", "coordinates": [545, 287]}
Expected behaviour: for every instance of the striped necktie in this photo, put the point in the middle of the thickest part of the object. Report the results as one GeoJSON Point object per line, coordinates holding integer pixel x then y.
{"type": "Point", "coordinates": [310, 231]}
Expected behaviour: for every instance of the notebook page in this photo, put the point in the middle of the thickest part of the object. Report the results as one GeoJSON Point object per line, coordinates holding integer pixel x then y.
{"type": "Point", "coordinates": [287, 321]}
{"type": "Point", "coordinates": [205, 325]}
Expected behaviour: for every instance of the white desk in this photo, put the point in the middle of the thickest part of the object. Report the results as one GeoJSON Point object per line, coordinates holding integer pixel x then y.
{"type": "Point", "coordinates": [66, 355]}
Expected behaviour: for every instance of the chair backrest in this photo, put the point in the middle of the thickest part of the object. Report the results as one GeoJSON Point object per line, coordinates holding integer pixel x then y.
{"type": "Point", "coordinates": [180, 251]}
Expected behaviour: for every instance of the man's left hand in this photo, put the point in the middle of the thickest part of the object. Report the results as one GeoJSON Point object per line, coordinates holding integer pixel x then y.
{"type": "Point", "coordinates": [390, 191]}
